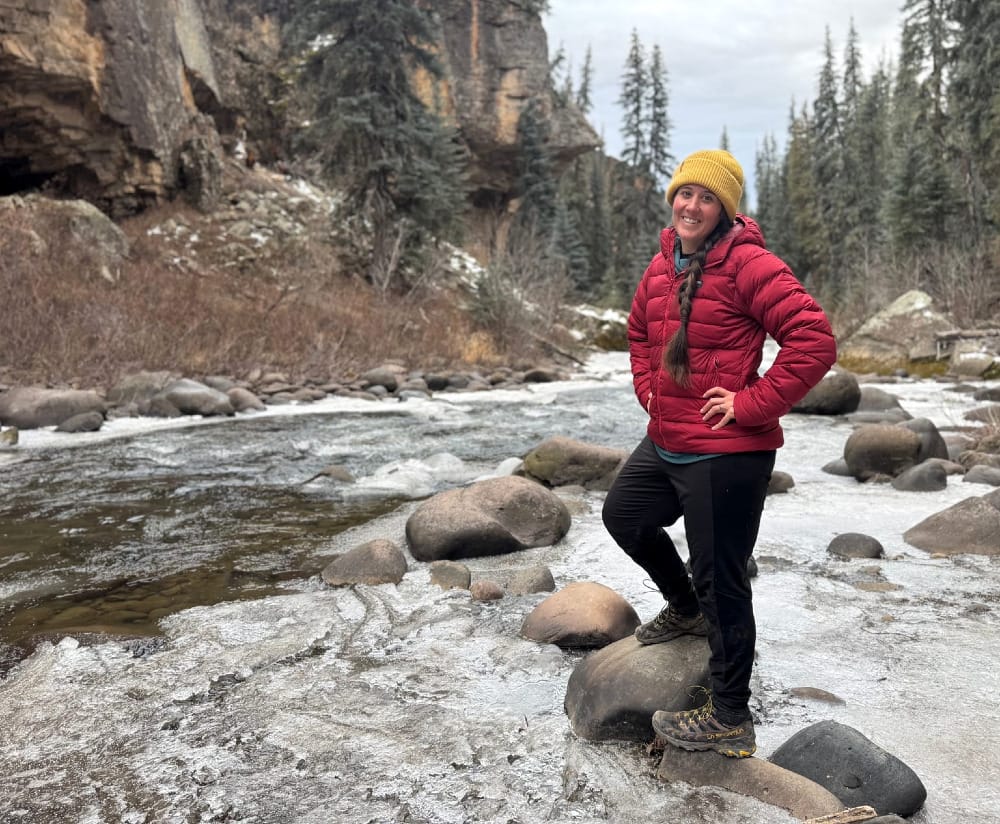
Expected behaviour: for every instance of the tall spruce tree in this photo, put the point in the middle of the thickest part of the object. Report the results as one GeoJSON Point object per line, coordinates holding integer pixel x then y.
{"type": "Point", "coordinates": [808, 249]}
{"type": "Point", "coordinates": [633, 101]}
{"type": "Point", "coordinates": [584, 102]}
{"type": "Point", "coordinates": [975, 103]}
{"type": "Point", "coordinates": [661, 161]}
{"type": "Point", "coordinates": [400, 166]}
{"type": "Point", "coordinates": [827, 148]}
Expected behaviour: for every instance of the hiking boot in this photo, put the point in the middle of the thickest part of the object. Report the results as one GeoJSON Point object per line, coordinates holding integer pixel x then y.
{"type": "Point", "coordinates": [701, 730]}
{"type": "Point", "coordinates": [668, 625]}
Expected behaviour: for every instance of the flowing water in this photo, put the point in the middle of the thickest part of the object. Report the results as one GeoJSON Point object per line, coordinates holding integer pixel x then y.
{"type": "Point", "coordinates": [170, 653]}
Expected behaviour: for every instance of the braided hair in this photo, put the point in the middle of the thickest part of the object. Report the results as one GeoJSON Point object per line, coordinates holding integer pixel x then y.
{"type": "Point", "coordinates": [675, 357]}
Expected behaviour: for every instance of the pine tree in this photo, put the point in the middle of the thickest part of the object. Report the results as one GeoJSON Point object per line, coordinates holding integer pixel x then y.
{"type": "Point", "coordinates": [633, 101]}
{"type": "Point", "coordinates": [661, 161]}
{"type": "Point", "coordinates": [536, 184]}
{"type": "Point", "coordinates": [808, 249]}
{"type": "Point", "coordinates": [975, 103]}
{"type": "Point", "coordinates": [583, 93]}
{"type": "Point", "coordinates": [827, 147]}
{"type": "Point", "coordinates": [401, 167]}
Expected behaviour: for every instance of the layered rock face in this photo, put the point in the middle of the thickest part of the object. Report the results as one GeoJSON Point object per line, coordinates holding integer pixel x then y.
{"type": "Point", "coordinates": [96, 98]}
{"type": "Point", "coordinates": [103, 100]}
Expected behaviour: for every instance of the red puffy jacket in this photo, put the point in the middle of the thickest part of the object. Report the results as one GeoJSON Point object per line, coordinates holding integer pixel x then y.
{"type": "Point", "coordinates": [745, 294]}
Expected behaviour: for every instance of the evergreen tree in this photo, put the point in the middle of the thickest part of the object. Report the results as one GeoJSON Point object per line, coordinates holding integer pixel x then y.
{"type": "Point", "coordinates": [975, 103]}
{"type": "Point", "coordinates": [916, 209]}
{"type": "Point", "coordinates": [826, 144]}
{"type": "Point", "coordinates": [808, 247]}
{"type": "Point", "coordinates": [400, 166]}
{"type": "Point", "coordinates": [583, 94]}
{"type": "Point", "coordinates": [536, 184]}
{"type": "Point", "coordinates": [633, 101]}
{"type": "Point", "coordinates": [661, 161]}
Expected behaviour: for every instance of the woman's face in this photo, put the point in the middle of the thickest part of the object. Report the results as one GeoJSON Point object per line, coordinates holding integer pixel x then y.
{"type": "Point", "coordinates": [696, 212]}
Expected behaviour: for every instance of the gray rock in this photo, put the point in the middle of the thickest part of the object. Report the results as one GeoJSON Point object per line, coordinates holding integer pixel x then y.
{"type": "Point", "coordinates": [561, 461]}
{"type": "Point", "coordinates": [855, 545]}
{"type": "Point", "coordinates": [540, 375]}
{"type": "Point", "coordinates": [244, 400]}
{"type": "Point", "coordinates": [450, 575]}
{"type": "Point", "coordinates": [971, 526]}
{"type": "Point", "coordinates": [837, 394]}
{"type": "Point", "coordinates": [192, 397]}
{"type": "Point", "coordinates": [853, 768]}
{"type": "Point", "coordinates": [988, 393]}
{"type": "Point", "coordinates": [385, 376]}
{"type": "Point", "coordinates": [780, 483]}
{"type": "Point", "coordinates": [31, 407]}
{"type": "Point", "coordinates": [884, 416]}
{"type": "Point", "coordinates": [880, 449]}
{"type": "Point", "coordinates": [949, 466]}
{"type": "Point", "coordinates": [375, 562]}
{"type": "Point", "coordinates": [491, 517]}
{"type": "Point", "coordinates": [980, 474]}
{"type": "Point", "coordinates": [924, 477]}
{"type": "Point", "coordinates": [84, 422]}
{"type": "Point", "coordinates": [613, 692]}
{"type": "Point", "coordinates": [874, 399]}
{"type": "Point", "coordinates": [529, 581]}
{"type": "Point", "coordinates": [932, 445]}
{"type": "Point", "coordinates": [582, 614]}
{"type": "Point", "coordinates": [838, 467]}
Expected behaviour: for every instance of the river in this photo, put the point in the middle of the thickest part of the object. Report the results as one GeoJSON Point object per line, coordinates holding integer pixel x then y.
{"type": "Point", "coordinates": [170, 654]}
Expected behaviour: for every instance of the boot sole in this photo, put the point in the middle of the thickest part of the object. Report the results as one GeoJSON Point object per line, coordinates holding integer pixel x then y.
{"type": "Point", "coordinates": [662, 639]}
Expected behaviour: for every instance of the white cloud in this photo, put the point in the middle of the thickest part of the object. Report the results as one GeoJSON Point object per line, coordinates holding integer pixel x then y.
{"type": "Point", "coordinates": [732, 65]}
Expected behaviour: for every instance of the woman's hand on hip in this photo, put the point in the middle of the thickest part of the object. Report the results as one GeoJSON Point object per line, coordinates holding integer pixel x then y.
{"type": "Point", "coordinates": [719, 402]}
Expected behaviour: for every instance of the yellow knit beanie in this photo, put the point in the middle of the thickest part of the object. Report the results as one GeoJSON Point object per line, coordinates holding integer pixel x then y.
{"type": "Point", "coordinates": [715, 169]}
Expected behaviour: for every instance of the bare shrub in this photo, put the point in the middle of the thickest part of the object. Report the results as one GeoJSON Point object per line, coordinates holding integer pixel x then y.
{"type": "Point", "coordinates": [202, 311]}
{"type": "Point", "coordinates": [519, 297]}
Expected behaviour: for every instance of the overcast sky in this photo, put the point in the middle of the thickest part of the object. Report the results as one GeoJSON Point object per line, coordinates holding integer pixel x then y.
{"type": "Point", "coordinates": [729, 64]}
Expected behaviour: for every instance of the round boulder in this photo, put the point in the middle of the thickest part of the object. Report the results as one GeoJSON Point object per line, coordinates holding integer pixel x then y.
{"type": "Point", "coordinates": [582, 614]}
{"type": "Point", "coordinates": [613, 692]}
{"type": "Point", "coordinates": [837, 394]}
{"type": "Point", "coordinates": [192, 397]}
{"type": "Point", "coordinates": [376, 562]}
{"type": "Point", "coordinates": [929, 476]}
{"type": "Point", "coordinates": [983, 475]}
{"type": "Point", "coordinates": [880, 449]}
{"type": "Point", "coordinates": [492, 517]}
{"type": "Point", "coordinates": [561, 461]}
{"type": "Point", "coordinates": [932, 445]}
{"type": "Point", "coordinates": [854, 769]}
{"type": "Point", "coordinates": [31, 407]}
{"type": "Point", "coordinates": [855, 545]}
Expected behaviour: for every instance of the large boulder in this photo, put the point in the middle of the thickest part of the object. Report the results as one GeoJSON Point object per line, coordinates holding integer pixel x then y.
{"type": "Point", "coordinates": [896, 337]}
{"type": "Point", "coordinates": [582, 614]}
{"type": "Point", "coordinates": [881, 449]}
{"type": "Point", "coordinates": [932, 445]}
{"type": "Point", "coordinates": [837, 394]}
{"type": "Point", "coordinates": [853, 768]}
{"type": "Point", "coordinates": [971, 526]}
{"type": "Point", "coordinates": [31, 407]}
{"type": "Point", "coordinates": [561, 461]}
{"type": "Point", "coordinates": [491, 517]}
{"type": "Point", "coordinates": [613, 692]}
{"type": "Point", "coordinates": [192, 397]}
{"type": "Point", "coordinates": [138, 387]}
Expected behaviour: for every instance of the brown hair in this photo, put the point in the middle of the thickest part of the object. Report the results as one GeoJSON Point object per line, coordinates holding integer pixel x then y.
{"type": "Point", "coordinates": [675, 357]}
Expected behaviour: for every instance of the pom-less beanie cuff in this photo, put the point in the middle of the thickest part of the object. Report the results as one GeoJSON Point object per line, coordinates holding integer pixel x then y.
{"type": "Point", "coordinates": [716, 170]}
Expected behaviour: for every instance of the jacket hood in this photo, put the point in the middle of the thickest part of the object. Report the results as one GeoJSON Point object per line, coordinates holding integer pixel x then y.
{"type": "Point", "coordinates": [745, 231]}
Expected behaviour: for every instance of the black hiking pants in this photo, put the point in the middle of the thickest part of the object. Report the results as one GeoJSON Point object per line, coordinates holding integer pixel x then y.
{"type": "Point", "coordinates": [721, 500]}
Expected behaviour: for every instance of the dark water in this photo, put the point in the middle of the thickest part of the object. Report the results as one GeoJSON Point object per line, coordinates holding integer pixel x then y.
{"type": "Point", "coordinates": [108, 538]}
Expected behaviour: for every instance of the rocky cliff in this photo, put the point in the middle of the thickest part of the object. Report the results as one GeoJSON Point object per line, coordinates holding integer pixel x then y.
{"type": "Point", "coordinates": [127, 104]}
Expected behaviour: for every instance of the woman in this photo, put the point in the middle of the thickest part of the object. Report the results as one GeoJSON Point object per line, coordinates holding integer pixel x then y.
{"type": "Point", "coordinates": [696, 332]}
